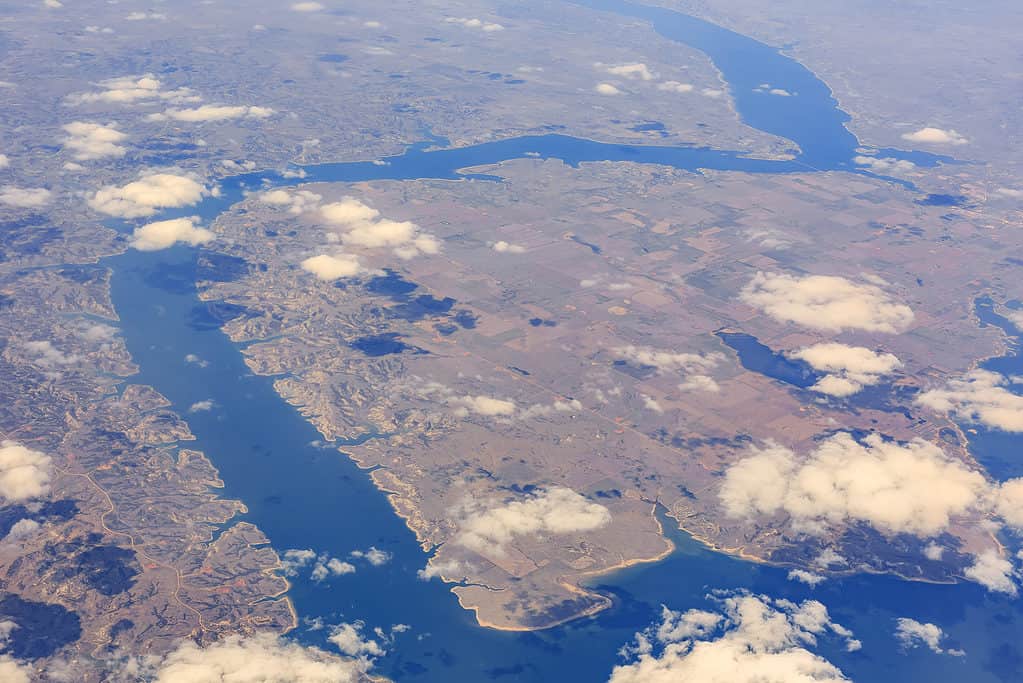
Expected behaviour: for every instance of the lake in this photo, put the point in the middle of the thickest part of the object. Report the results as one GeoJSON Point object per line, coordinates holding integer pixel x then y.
{"type": "Point", "coordinates": [305, 495]}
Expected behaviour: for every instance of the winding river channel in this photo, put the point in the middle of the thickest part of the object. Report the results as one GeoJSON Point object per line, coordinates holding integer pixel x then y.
{"type": "Point", "coordinates": [304, 495]}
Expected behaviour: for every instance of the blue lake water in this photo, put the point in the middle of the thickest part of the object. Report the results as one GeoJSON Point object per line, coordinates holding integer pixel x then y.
{"type": "Point", "coordinates": [307, 496]}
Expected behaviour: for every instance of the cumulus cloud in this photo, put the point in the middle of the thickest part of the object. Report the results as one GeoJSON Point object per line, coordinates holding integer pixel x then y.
{"type": "Point", "coordinates": [486, 26]}
{"type": "Point", "coordinates": [45, 354]}
{"type": "Point", "coordinates": [307, 7]}
{"type": "Point", "coordinates": [507, 247]}
{"type": "Point", "coordinates": [295, 202]}
{"type": "Point", "coordinates": [24, 197]}
{"type": "Point", "coordinates": [363, 226]}
{"type": "Point", "coordinates": [884, 164]}
{"type": "Point", "coordinates": [4, 161]}
{"type": "Point", "coordinates": [132, 90]}
{"type": "Point", "coordinates": [21, 529]}
{"type": "Point", "coordinates": [481, 405]}
{"type": "Point", "coordinates": [666, 361]}
{"type": "Point", "coordinates": [912, 633]}
{"type": "Point", "coordinates": [165, 234]}
{"type": "Point", "coordinates": [809, 578]}
{"type": "Point", "coordinates": [980, 396]}
{"type": "Point", "coordinates": [849, 368]}
{"type": "Point", "coordinates": [636, 70]}
{"type": "Point", "coordinates": [321, 565]}
{"type": "Point", "coordinates": [652, 404]}
{"type": "Point", "coordinates": [88, 141]}
{"type": "Point", "coordinates": [146, 16]}
{"type": "Point", "coordinates": [752, 639]}
{"type": "Point", "coordinates": [254, 659]}
{"type": "Point", "coordinates": [147, 195]}
{"type": "Point", "coordinates": [201, 406]}
{"type": "Point", "coordinates": [489, 406]}
{"type": "Point", "coordinates": [373, 555]}
{"type": "Point", "coordinates": [768, 89]}
{"type": "Point", "coordinates": [912, 488]}
{"type": "Point", "coordinates": [212, 112]}
{"type": "Point", "coordinates": [935, 136]}
{"type": "Point", "coordinates": [349, 640]}
{"type": "Point", "coordinates": [24, 473]}
{"type": "Point", "coordinates": [436, 570]}
{"type": "Point", "coordinates": [331, 267]}
{"type": "Point", "coordinates": [607, 89]}
{"type": "Point", "coordinates": [675, 86]}
{"type": "Point", "coordinates": [692, 365]}
{"type": "Point", "coordinates": [556, 510]}
{"type": "Point", "coordinates": [993, 572]}
{"type": "Point", "coordinates": [13, 671]}
{"type": "Point", "coordinates": [826, 302]}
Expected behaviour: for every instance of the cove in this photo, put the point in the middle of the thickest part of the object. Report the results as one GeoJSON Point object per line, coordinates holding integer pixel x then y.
{"type": "Point", "coordinates": [305, 495]}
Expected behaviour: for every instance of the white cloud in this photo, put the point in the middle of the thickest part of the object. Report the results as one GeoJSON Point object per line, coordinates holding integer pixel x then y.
{"type": "Point", "coordinates": [809, 578]}
{"type": "Point", "coordinates": [24, 473]}
{"type": "Point", "coordinates": [374, 556]}
{"type": "Point", "coordinates": [481, 405]}
{"type": "Point", "coordinates": [147, 195]}
{"type": "Point", "coordinates": [146, 16]}
{"type": "Point", "coordinates": [557, 510]}
{"type": "Point", "coordinates": [692, 365]}
{"type": "Point", "coordinates": [826, 302]}
{"type": "Point", "coordinates": [13, 671]}
{"type": "Point", "coordinates": [296, 202]}
{"type": "Point", "coordinates": [486, 26]}
{"type": "Point", "coordinates": [53, 4]}
{"type": "Point", "coordinates": [992, 572]}
{"type": "Point", "coordinates": [254, 659]}
{"type": "Point", "coordinates": [652, 404]}
{"type": "Point", "coordinates": [322, 565]}
{"type": "Point", "coordinates": [4, 161]}
{"type": "Point", "coordinates": [884, 164]}
{"type": "Point", "coordinates": [1003, 191]}
{"type": "Point", "coordinates": [507, 247]}
{"type": "Point", "coordinates": [212, 112]}
{"type": "Point", "coordinates": [435, 570]}
{"type": "Point", "coordinates": [980, 396]}
{"type": "Point", "coordinates": [93, 140]}
{"type": "Point", "coordinates": [634, 70]}
{"type": "Point", "coordinates": [910, 488]}
{"type": "Point", "coordinates": [330, 567]}
{"type": "Point", "coordinates": [349, 640]}
{"type": "Point", "coordinates": [753, 639]}
{"type": "Point", "coordinates": [607, 89]}
{"type": "Point", "coordinates": [307, 7]}
{"type": "Point", "coordinates": [363, 226]}
{"type": "Point", "coordinates": [21, 529]}
{"type": "Point", "coordinates": [935, 136]}
{"type": "Point", "coordinates": [912, 633]}
{"type": "Point", "coordinates": [327, 267]}
{"type": "Point", "coordinates": [675, 86]}
{"type": "Point", "coordinates": [165, 234]}
{"type": "Point", "coordinates": [132, 90]}
{"type": "Point", "coordinates": [201, 406]}
{"type": "Point", "coordinates": [98, 29]}
{"type": "Point", "coordinates": [850, 368]}
{"type": "Point", "coordinates": [713, 93]}
{"type": "Point", "coordinates": [24, 197]}
{"type": "Point", "coordinates": [46, 355]}
{"type": "Point", "coordinates": [193, 359]}
{"type": "Point", "coordinates": [699, 383]}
